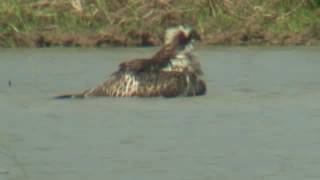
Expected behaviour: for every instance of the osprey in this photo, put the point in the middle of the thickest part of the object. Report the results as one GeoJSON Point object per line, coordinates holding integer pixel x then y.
{"type": "Point", "coordinates": [173, 71]}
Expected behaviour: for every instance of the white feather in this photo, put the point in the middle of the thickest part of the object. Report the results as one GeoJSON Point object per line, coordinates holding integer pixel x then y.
{"type": "Point", "coordinates": [172, 32]}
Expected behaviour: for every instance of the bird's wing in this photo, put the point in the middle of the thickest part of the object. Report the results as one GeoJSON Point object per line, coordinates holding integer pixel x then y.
{"type": "Point", "coordinates": [160, 59]}
{"type": "Point", "coordinates": [136, 65]}
{"type": "Point", "coordinates": [144, 84]}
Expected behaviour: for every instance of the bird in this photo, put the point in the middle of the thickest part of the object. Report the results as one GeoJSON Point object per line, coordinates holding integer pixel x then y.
{"type": "Point", "coordinates": [171, 72]}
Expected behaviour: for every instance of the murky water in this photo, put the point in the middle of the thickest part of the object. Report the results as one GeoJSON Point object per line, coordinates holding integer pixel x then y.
{"type": "Point", "coordinates": [259, 120]}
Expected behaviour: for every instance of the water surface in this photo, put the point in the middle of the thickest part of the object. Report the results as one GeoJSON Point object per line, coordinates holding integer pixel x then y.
{"type": "Point", "coordinates": [259, 120]}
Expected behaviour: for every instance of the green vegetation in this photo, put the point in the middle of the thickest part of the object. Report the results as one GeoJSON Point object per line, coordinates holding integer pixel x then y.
{"type": "Point", "coordinates": [41, 23]}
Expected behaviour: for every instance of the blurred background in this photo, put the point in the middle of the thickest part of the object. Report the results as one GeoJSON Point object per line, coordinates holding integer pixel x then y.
{"type": "Point", "coordinates": [94, 23]}
{"type": "Point", "coordinates": [258, 121]}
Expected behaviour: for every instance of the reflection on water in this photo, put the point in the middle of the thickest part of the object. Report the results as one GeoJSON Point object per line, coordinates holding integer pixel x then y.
{"type": "Point", "coordinates": [259, 120]}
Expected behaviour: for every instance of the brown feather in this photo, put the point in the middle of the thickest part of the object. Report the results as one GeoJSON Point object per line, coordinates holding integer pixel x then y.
{"type": "Point", "coordinates": [124, 84]}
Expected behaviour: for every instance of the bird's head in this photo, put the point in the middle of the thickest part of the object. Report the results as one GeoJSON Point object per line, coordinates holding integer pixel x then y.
{"type": "Point", "coordinates": [181, 36]}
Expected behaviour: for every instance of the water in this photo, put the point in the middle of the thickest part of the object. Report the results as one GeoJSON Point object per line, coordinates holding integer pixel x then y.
{"type": "Point", "coordinates": [259, 120]}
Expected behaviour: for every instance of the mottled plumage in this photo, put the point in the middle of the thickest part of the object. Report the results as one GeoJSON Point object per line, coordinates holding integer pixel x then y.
{"type": "Point", "coordinates": [172, 71]}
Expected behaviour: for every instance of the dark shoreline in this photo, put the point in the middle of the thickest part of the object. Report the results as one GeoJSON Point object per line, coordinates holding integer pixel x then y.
{"type": "Point", "coordinates": [88, 40]}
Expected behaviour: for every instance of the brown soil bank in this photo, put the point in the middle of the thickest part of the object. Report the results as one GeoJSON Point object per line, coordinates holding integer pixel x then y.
{"type": "Point", "coordinates": [94, 23]}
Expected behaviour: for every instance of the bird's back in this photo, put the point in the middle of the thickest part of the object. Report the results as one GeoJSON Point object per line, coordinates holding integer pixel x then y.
{"type": "Point", "coordinates": [144, 84]}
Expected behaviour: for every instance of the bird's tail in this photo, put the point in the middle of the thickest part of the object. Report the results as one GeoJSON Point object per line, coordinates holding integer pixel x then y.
{"type": "Point", "coordinates": [70, 96]}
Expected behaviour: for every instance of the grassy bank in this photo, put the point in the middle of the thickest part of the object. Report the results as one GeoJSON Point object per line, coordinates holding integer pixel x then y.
{"type": "Point", "coordinates": [42, 23]}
